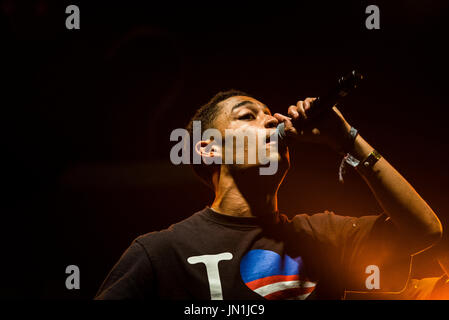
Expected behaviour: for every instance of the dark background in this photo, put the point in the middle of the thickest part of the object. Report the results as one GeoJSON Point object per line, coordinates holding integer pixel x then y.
{"type": "Point", "coordinates": [86, 117]}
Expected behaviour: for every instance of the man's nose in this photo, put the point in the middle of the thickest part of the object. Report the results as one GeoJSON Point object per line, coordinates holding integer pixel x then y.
{"type": "Point", "coordinates": [271, 122]}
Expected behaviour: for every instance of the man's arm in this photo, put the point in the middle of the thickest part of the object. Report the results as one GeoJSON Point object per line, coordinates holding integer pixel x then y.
{"type": "Point", "coordinates": [419, 226]}
{"type": "Point", "coordinates": [413, 217]}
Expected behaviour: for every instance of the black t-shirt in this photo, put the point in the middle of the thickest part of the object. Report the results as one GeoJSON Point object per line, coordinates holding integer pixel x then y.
{"type": "Point", "coordinates": [214, 256]}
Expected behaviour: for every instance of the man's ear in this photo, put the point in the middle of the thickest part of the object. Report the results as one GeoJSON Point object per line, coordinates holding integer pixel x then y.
{"type": "Point", "coordinates": [209, 150]}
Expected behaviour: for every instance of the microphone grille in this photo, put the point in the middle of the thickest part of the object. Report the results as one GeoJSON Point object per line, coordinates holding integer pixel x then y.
{"type": "Point", "coordinates": [280, 129]}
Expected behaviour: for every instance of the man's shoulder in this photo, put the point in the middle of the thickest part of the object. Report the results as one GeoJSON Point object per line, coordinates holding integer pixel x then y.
{"type": "Point", "coordinates": [319, 217]}
{"type": "Point", "coordinates": [329, 226]}
{"type": "Point", "coordinates": [330, 217]}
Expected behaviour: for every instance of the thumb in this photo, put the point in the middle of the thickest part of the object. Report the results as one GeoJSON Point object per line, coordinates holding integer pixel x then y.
{"type": "Point", "coordinates": [289, 128]}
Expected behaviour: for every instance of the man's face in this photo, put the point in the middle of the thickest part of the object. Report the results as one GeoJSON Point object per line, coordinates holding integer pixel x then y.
{"type": "Point", "coordinates": [246, 116]}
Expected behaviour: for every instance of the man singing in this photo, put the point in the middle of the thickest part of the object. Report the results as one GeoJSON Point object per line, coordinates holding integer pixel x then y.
{"type": "Point", "coordinates": [242, 247]}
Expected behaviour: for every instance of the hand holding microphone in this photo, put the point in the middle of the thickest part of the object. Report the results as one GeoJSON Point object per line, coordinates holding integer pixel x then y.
{"type": "Point", "coordinates": [331, 129]}
{"type": "Point", "coordinates": [318, 120]}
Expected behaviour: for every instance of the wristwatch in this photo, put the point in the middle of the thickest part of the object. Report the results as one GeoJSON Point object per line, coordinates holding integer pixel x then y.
{"type": "Point", "coordinates": [369, 161]}
{"type": "Point", "coordinates": [372, 158]}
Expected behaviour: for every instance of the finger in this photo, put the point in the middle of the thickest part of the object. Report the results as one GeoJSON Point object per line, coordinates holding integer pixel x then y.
{"type": "Point", "coordinates": [293, 112]}
{"type": "Point", "coordinates": [301, 110]}
{"type": "Point", "coordinates": [286, 120]}
{"type": "Point", "coordinates": [308, 103]}
{"type": "Point", "coordinates": [281, 117]}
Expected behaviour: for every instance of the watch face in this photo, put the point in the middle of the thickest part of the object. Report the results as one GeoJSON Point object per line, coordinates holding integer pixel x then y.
{"type": "Point", "coordinates": [372, 158]}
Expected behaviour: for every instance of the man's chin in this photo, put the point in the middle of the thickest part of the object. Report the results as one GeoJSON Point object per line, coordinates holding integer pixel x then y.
{"type": "Point", "coordinates": [276, 166]}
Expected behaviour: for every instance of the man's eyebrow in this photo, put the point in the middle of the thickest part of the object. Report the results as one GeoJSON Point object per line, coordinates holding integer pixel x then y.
{"type": "Point", "coordinates": [241, 104]}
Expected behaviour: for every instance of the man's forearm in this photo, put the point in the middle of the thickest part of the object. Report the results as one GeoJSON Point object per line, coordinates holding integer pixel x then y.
{"type": "Point", "coordinates": [408, 211]}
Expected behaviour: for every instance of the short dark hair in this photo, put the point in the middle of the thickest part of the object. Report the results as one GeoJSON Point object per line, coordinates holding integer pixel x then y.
{"type": "Point", "coordinates": [207, 115]}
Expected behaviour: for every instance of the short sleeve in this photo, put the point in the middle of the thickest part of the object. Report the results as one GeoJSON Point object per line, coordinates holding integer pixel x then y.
{"type": "Point", "coordinates": [361, 253]}
{"type": "Point", "coordinates": [374, 255]}
{"type": "Point", "coordinates": [130, 278]}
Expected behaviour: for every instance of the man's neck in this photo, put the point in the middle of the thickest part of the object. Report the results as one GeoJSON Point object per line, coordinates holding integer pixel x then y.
{"type": "Point", "coordinates": [230, 200]}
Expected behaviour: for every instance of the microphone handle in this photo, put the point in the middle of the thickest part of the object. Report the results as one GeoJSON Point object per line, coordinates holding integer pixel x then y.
{"type": "Point", "coordinates": [325, 103]}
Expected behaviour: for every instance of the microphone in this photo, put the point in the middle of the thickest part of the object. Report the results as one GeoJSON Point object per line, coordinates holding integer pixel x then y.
{"type": "Point", "coordinates": [325, 103]}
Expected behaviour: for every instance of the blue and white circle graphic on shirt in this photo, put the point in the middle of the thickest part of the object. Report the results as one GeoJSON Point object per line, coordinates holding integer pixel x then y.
{"type": "Point", "coordinates": [274, 277]}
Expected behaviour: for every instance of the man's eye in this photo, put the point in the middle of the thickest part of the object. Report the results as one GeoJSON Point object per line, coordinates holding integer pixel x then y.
{"type": "Point", "coordinates": [247, 116]}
